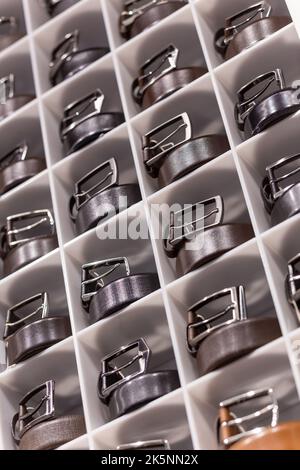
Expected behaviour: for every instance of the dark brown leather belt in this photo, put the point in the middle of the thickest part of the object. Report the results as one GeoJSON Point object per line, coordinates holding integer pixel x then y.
{"type": "Point", "coordinates": [126, 387]}
{"type": "Point", "coordinates": [159, 77]}
{"type": "Point", "coordinates": [36, 337]}
{"type": "Point", "coordinates": [102, 300]}
{"type": "Point", "coordinates": [12, 34]}
{"type": "Point", "coordinates": [287, 205]}
{"type": "Point", "coordinates": [13, 104]}
{"type": "Point", "coordinates": [148, 18]}
{"type": "Point", "coordinates": [15, 174]}
{"type": "Point", "coordinates": [84, 122]}
{"type": "Point", "coordinates": [254, 116]}
{"type": "Point", "coordinates": [183, 155]}
{"type": "Point", "coordinates": [52, 434]}
{"type": "Point", "coordinates": [55, 8]}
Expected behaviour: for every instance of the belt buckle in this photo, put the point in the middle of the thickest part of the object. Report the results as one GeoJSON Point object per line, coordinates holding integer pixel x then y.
{"type": "Point", "coordinates": [63, 51]}
{"type": "Point", "coordinates": [82, 196]}
{"type": "Point", "coordinates": [162, 139]}
{"type": "Point", "coordinates": [182, 230]}
{"type": "Point", "coordinates": [201, 326]}
{"type": "Point", "coordinates": [18, 154]}
{"type": "Point", "coordinates": [133, 9]}
{"type": "Point", "coordinates": [261, 10]}
{"type": "Point", "coordinates": [44, 409]}
{"type": "Point", "coordinates": [155, 444]}
{"type": "Point", "coordinates": [293, 278]}
{"type": "Point", "coordinates": [15, 320]}
{"type": "Point", "coordinates": [7, 88]}
{"type": "Point", "coordinates": [271, 408]}
{"type": "Point", "coordinates": [112, 375]}
{"type": "Point", "coordinates": [274, 183]}
{"type": "Point", "coordinates": [246, 104]}
{"type": "Point", "coordinates": [92, 280]}
{"type": "Point", "coordinates": [81, 110]}
{"type": "Point", "coordinates": [155, 68]}
{"type": "Point", "coordinates": [45, 222]}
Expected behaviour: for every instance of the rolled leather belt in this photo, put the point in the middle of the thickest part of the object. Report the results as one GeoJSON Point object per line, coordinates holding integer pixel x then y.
{"type": "Point", "coordinates": [283, 437]}
{"type": "Point", "coordinates": [121, 293]}
{"type": "Point", "coordinates": [101, 205]}
{"type": "Point", "coordinates": [20, 171]}
{"type": "Point", "coordinates": [55, 9]}
{"type": "Point", "coordinates": [231, 342]}
{"type": "Point", "coordinates": [27, 252]}
{"type": "Point", "coordinates": [35, 337]}
{"type": "Point", "coordinates": [52, 434]}
{"type": "Point", "coordinates": [150, 17]}
{"type": "Point", "coordinates": [13, 35]}
{"type": "Point", "coordinates": [217, 240]}
{"type": "Point", "coordinates": [142, 390]}
{"type": "Point", "coordinates": [13, 104]}
{"type": "Point", "coordinates": [287, 205]}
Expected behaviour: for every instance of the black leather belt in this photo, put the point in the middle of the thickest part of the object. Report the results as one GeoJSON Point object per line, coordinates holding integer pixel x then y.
{"type": "Point", "coordinates": [36, 427]}
{"type": "Point", "coordinates": [159, 77]}
{"type": "Point", "coordinates": [263, 109]}
{"type": "Point", "coordinates": [67, 59]}
{"type": "Point", "coordinates": [91, 204]}
{"type": "Point", "coordinates": [138, 15]}
{"type": "Point", "coordinates": [102, 300]}
{"type": "Point", "coordinates": [125, 391]}
{"type": "Point", "coordinates": [55, 7]}
{"type": "Point", "coordinates": [194, 243]}
{"type": "Point", "coordinates": [15, 168]}
{"type": "Point", "coordinates": [11, 103]}
{"type": "Point", "coordinates": [170, 152]}
{"type": "Point", "coordinates": [28, 334]}
{"type": "Point", "coordinates": [281, 189]}
{"type": "Point", "coordinates": [17, 253]}
{"type": "Point", "coordinates": [12, 35]}
{"type": "Point", "coordinates": [246, 28]}
{"type": "Point", "coordinates": [220, 338]}
{"type": "Point", "coordinates": [292, 283]}
{"type": "Point", "coordinates": [84, 122]}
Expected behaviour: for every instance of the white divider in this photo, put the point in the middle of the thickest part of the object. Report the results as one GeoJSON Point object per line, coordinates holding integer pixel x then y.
{"type": "Point", "coordinates": [187, 416]}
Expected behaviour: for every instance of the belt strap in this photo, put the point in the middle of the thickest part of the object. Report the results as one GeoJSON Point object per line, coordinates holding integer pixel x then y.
{"type": "Point", "coordinates": [283, 437]}
{"type": "Point", "coordinates": [15, 174]}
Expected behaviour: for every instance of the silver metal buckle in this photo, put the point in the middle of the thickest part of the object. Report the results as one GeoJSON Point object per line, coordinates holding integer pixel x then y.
{"type": "Point", "coordinates": [155, 68]}
{"type": "Point", "coordinates": [7, 88]}
{"type": "Point", "coordinates": [157, 444]}
{"type": "Point", "coordinates": [274, 183]}
{"type": "Point", "coordinates": [63, 51]}
{"type": "Point", "coordinates": [293, 284]}
{"type": "Point", "coordinates": [16, 317]}
{"type": "Point", "coordinates": [246, 104]}
{"type": "Point", "coordinates": [180, 229]}
{"type": "Point", "coordinates": [201, 325]}
{"type": "Point", "coordinates": [271, 408]}
{"type": "Point", "coordinates": [135, 8]}
{"type": "Point", "coordinates": [92, 279]}
{"type": "Point", "coordinates": [113, 375]}
{"type": "Point", "coordinates": [44, 409]}
{"type": "Point", "coordinates": [261, 10]}
{"type": "Point", "coordinates": [18, 154]}
{"type": "Point", "coordinates": [45, 223]}
{"type": "Point", "coordinates": [81, 110]}
{"type": "Point", "coordinates": [11, 21]}
{"type": "Point", "coordinates": [82, 196]}
{"type": "Point", "coordinates": [161, 140]}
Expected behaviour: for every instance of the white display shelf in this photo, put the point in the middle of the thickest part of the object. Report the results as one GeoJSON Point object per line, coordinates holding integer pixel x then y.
{"type": "Point", "coordinates": [187, 416]}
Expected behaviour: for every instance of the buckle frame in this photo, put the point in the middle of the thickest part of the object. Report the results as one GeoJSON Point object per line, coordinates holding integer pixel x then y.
{"type": "Point", "coordinates": [245, 105]}
{"type": "Point", "coordinates": [74, 113]}
{"type": "Point", "coordinates": [188, 229]}
{"type": "Point", "coordinates": [24, 419]}
{"type": "Point", "coordinates": [19, 153]}
{"type": "Point", "coordinates": [150, 444]}
{"type": "Point", "coordinates": [107, 371]}
{"type": "Point", "coordinates": [197, 321]}
{"type": "Point", "coordinates": [261, 9]}
{"type": "Point", "coordinates": [90, 278]}
{"type": "Point", "coordinates": [167, 57]}
{"type": "Point", "coordinates": [14, 322]}
{"type": "Point", "coordinates": [7, 88]}
{"type": "Point", "coordinates": [274, 183]}
{"type": "Point", "coordinates": [293, 294]}
{"type": "Point", "coordinates": [154, 150]}
{"type": "Point", "coordinates": [11, 232]}
{"type": "Point", "coordinates": [272, 408]}
{"type": "Point", "coordinates": [132, 11]}
{"type": "Point", "coordinates": [65, 49]}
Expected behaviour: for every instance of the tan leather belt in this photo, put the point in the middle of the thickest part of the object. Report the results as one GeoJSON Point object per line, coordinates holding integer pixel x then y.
{"type": "Point", "coordinates": [284, 437]}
